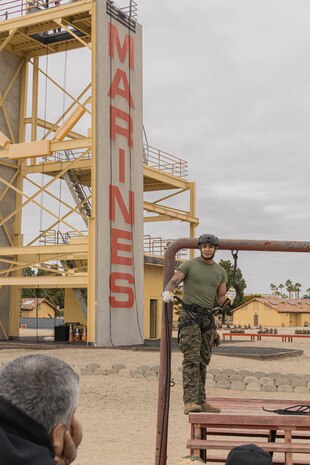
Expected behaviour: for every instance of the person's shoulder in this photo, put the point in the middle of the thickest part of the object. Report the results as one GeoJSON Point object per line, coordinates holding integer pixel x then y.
{"type": "Point", "coordinates": [194, 261]}
{"type": "Point", "coordinates": [187, 264]}
{"type": "Point", "coordinates": [223, 271]}
{"type": "Point", "coordinates": [220, 267]}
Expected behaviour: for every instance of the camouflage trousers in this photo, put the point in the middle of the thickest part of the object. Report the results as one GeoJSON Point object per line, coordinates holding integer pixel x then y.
{"type": "Point", "coordinates": [196, 347]}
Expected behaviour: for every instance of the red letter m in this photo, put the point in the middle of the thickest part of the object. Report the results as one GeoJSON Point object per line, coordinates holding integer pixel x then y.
{"type": "Point", "coordinates": [122, 50]}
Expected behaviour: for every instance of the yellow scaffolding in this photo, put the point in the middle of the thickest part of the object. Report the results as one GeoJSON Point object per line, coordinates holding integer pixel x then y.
{"type": "Point", "coordinates": [56, 149]}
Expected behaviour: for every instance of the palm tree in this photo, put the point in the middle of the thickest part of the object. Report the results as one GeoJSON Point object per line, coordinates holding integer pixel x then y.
{"type": "Point", "coordinates": [297, 289]}
{"type": "Point", "coordinates": [289, 287]}
{"type": "Point", "coordinates": [281, 287]}
{"type": "Point", "coordinates": [273, 288]}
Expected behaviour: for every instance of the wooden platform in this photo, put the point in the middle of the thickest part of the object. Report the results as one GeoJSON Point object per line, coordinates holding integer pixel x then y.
{"type": "Point", "coordinates": [243, 421]}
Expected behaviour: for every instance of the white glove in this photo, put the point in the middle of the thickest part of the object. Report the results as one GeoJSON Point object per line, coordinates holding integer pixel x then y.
{"type": "Point", "coordinates": [231, 294]}
{"type": "Point", "coordinates": [167, 296]}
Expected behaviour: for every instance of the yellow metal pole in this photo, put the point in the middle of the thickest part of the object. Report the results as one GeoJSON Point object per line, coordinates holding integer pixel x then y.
{"type": "Point", "coordinates": [76, 101]}
{"type": "Point", "coordinates": [34, 109]}
{"type": "Point", "coordinates": [7, 40]}
{"type": "Point", "coordinates": [15, 292]}
{"type": "Point", "coordinates": [91, 326]}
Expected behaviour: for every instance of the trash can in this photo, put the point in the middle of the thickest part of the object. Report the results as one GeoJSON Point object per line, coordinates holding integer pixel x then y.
{"type": "Point", "coordinates": [61, 333]}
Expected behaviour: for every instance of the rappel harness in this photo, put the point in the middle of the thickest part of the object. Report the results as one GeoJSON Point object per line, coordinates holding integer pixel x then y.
{"type": "Point", "coordinates": [198, 315]}
{"type": "Point", "coordinates": [294, 410]}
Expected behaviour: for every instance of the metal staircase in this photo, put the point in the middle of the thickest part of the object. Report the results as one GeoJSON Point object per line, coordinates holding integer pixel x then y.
{"type": "Point", "coordinates": [78, 191]}
{"type": "Point", "coordinates": [81, 198]}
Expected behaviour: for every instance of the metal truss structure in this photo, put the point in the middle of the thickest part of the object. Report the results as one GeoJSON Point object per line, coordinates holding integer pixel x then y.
{"type": "Point", "coordinates": [54, 150]}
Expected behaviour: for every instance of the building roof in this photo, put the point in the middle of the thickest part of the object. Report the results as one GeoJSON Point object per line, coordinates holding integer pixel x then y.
{"type": "Point", "coordinates": [31, 303]}
{"type": "Point", "coordinates": [282, 305]}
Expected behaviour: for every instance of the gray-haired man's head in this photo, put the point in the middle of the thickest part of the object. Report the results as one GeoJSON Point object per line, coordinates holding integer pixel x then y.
{"type": "Point", "coordinates": [45, 388]}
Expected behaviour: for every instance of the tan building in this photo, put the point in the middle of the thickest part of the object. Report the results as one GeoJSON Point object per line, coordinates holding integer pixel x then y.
{"type": "Point", "coordinates": [273, 311]}
{"type": "Point", "coordinates": [28, 308]}
{"type": "Point", "coordinates": [153, 287]}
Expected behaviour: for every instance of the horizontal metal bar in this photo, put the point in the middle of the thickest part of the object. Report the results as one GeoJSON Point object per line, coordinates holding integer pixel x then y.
{"type": "Point", "coordinates": [232, 244]}
{"type": "Point", "coordinates": [264, 245]}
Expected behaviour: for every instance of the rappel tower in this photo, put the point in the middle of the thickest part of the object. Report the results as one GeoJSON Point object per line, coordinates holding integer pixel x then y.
{"type": "Point", "coordinates": [72, 150]}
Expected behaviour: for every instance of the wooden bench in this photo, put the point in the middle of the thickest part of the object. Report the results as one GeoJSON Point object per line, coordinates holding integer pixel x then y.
{"type": "Point", "coordinates": [258, 336]}
{"type": "Point", "coordinates": [243, 421]}
{"type": "Point", "coordinates": [255, 433]}
{"type": "Point", "coordinates": [214, 459]}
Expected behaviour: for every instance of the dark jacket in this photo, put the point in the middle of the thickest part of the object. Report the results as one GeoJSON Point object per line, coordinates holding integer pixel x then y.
{"type": "Point", "coordinates": [23, 441]}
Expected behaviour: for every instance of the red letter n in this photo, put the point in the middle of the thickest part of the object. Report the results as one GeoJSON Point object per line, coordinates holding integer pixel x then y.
{"type": "Point", "coordinates": [116, 196]}
{"type": "Point", "coordinates": [122, 50]}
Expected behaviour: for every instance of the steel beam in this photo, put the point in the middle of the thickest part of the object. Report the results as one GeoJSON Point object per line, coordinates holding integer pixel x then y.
{"type": "Point", "coordinates": [165, 178]}
{"type": "Point", "coordinates": [51, 282]}
{"type": "Point", "coordinates": [173, 213]}
{"type": "Point", "coordinates": [45, 249]}
{"type": "Point", "coordinates": [57, 146]}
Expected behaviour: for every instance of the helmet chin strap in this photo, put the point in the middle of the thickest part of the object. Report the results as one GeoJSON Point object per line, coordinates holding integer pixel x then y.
{"type": "Point", "coordinates": [212, 256]}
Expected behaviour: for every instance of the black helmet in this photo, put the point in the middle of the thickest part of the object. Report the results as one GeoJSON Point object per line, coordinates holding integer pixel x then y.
{"type": "Point", "coordinates": [208, 239]}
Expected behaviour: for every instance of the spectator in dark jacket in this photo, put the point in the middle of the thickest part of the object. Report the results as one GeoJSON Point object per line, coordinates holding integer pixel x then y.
{"type": "Point", "coordinates": [38, 399]}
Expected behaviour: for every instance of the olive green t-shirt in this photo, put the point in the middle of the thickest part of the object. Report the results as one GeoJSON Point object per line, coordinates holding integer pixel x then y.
{"type": "Point", "coordinates": [201, 281]}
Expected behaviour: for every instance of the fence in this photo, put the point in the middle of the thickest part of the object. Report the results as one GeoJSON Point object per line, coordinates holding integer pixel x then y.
{"type": "Point", "coordinates": [13, 8]}
{"type": "Point", "coordinates": [157, 246]}
{"type": "Point", "coordinates": [153, 157]}
{"type": "Point", "coordinates": [165, 161]}
{"type": "Point", "coordinates": [40, 323]}
{"type": "Point", "coordinates": [57, 237]}
{"type": "Point", "coordinates": [151, 245]}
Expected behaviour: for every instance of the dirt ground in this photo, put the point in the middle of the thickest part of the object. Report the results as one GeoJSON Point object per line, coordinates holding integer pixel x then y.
{"type": "Point", "coordinates": [119, 412]}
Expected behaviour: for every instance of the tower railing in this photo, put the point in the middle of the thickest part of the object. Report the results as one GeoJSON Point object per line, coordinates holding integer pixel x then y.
{"type": "Point", "coordinates": [66, 155]}
{"type": "Point", "coordinates": [153, 157]}
{"type": "Point", "coordinates": [164, 161]}
{"type": "Point", "coordinates": [12, 8]}
{"type": "Point", "coordinates": [151, 245]}
{"type": "Point", "coordinates": [53, 237]}
{"type": "Point", "coordinates": [126, 15]}
{"type": "Point", "coordinates": [158, 245]}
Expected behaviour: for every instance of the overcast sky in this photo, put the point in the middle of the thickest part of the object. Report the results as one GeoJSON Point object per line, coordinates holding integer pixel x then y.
{"type": "Point", "coordinates": [227, 88]}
